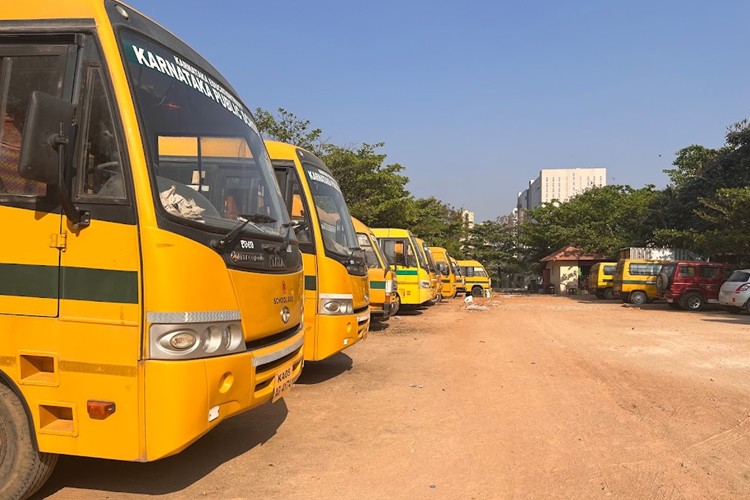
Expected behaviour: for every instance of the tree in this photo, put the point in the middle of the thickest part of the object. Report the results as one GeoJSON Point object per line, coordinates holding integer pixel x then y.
{"type": "Point", "coordinates": [375, 193]}
{"type": "Point", "coordinates": [286, 127]}
{"type": "Point", "coordinates": [439, 224]}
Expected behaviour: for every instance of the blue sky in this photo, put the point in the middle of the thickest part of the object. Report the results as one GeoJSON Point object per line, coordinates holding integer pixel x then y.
{"type": "Point", "coordinates": [473, 98]}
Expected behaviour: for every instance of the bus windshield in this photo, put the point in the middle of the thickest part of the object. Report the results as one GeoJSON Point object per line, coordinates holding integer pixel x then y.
{"type": "Point", "coordinates": [371, 254]}
{"type": "Point", "coordinates": [335, 222]}
{"type": "Point", "coordinates": [207, 161]}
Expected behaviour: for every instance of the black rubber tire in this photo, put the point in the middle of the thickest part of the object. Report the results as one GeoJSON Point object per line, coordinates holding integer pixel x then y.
{"type": "Point", "coordinates": [609, 294]}
{"type": "Point", "coordinates": [396, 306]}
{"type": "Point", "coordinates": [23, 469]}
{"type": "Point", "coordinates": [477, 291]}
{"type": "Point", "coordinates": [692, 301]}
{"type": "Point", "coordinates": [637, 298]}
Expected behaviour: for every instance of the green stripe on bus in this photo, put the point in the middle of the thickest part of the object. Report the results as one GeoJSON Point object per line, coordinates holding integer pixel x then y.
{"type": "Point", "coordinates": [406, 272]}
{"type": "Point", "coordinates": [377, 285]}
{"type": "Point", "coordinates": [29, 281]}
{"type": "Point", "coordinates": [78, 283]}
{"type": "Point", "coordinates": [311, 283]}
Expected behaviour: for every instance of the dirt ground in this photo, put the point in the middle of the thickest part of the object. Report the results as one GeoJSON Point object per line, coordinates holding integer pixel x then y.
{"type": "Point", "coordinates": [534, 397]}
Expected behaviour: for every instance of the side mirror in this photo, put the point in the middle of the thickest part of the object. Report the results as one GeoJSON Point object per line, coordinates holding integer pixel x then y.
{"type": "Point", "coordinates": [48, 125]}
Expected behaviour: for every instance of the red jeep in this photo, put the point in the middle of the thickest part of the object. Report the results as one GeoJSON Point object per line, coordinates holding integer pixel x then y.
{"type": "Point", "coordinates": [692, 284]}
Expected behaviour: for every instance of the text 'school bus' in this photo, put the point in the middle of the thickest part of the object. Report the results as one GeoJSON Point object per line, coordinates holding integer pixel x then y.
{"type": "Point", "coordinates": [413, 275]}
{"type": "Point", "coordinates": [443, 262]}
{"type": "Point", "coordinates": [150, 286]}
{"type": "Point", "coordinates": [337, 305]}
{"type": "Point", "coordinates": [436, 278]}
{"type": "Point", "coordinates": [460, 279]}
{"type": "Point", "coordinates": [381, 278]}
{"type": "Point", "coordinates": [477, 279]}
{"type": "Point", "coordinates": [600, 279]}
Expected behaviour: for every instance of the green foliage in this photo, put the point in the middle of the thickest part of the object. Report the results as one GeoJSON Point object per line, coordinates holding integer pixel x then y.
{"type": "Point", "coordinates": [494, 244]}
{"type": "Point", "coordinates": [440, 225]}
{"type": "Point", "coordinates": [600, 220]}
{"type": "Point", "coordinates": [375, 193]}
{"type": "Point", "coordinates": [286, 127]}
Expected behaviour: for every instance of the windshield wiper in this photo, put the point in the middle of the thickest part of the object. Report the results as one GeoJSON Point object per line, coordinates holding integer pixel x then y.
{"type": "Point", "coordinates": [231, 238]}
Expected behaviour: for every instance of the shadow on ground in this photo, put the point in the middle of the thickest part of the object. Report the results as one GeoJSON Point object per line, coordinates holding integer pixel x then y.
{"type": "Point", "coordinates": [316, 372]}
{"type": "Point", "coordinates": [229, 439]}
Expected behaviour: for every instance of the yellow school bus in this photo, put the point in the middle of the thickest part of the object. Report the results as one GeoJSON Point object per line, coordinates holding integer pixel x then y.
{"type": "Point", "coordinates": [443, 262]}
{"type": "Point", "coordinates": [477, 279]}
{"type": "Point", "coordinates": [150, 285]}
{"type": "Point", "coordinates": [401, 250]}
{"type": "Point", "coordinates": [381, 278]}
{"type": "Point", "coordinates": [460, 279]}
{"type": "Point", "coordinates": [635, 280]}
{"type": "Point", "coordinates": [337, 304]}
{"type": "Point", "coordinates": [600, 280]}
{"type": "Point", "coordinates": [436, 278]}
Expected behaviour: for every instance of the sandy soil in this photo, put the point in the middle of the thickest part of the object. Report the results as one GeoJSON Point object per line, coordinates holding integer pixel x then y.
{"type": "Point", "coordinates": [536, 396]}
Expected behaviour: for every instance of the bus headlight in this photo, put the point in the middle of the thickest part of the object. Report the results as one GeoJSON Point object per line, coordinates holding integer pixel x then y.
{"type": "Point", "coordinates": [195, 340]}
{"type": "Point", "coordinates": [336, 304]}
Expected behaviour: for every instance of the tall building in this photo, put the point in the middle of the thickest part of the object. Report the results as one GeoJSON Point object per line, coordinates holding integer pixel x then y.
{"type": "Point", "coordinates": [559, 184]}
{"type": "Point", "coordinates": [468, 218]}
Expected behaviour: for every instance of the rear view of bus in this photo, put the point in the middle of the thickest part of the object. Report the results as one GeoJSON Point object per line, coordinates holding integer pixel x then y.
{"type": "Point", "coordinates": [337, 304]}
{"type": "Point", "coordinates": [402, 251]}
{"type": "Point", "coordinates": [150, 286]}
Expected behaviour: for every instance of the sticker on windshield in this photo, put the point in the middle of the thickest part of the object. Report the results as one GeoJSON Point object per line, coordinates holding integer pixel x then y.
{"type": "Point", "coordinates": [182, 71]}
{"type": "Point", "coordinates": [323, 178]}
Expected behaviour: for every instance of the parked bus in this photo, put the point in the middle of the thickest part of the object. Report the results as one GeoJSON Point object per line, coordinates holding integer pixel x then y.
{"type": "Point", "coordinates": [337, 305]}
{"type": "Point", "coordinates": [635, 280]}
{"type": "Point", "coordinates": [600, 280]}
{"type": "Point", "coordinates": [443, 262]}
{"type": "Point", "coordinates": [401, 250]}
{"type": "Point", "coordinates": [381, 278]}
{"type": "Point", "coordinates": [436, 278]}
{"type": "Point", "coordinates": [460, 279]}
{"type": "Point", "coordinates": [137, 311]}
{"type": "Point", "coordinates": [477, 279]}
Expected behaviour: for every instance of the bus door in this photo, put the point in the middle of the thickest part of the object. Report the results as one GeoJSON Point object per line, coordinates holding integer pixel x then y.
{"type": "Point", "coordinates": [29, 221]}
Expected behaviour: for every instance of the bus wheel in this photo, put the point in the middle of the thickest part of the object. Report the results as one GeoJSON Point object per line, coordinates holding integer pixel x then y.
{"type": "Point", "coordinates": [477, 291]}
{"type": "Point", "coordinates": [638, 298]}
{"type": "Point", "coordinates": [396, 305]}
{"type": "Point", "coordinates": [23, 469]}
{"type": "Point", "coordinates": [608, 294]}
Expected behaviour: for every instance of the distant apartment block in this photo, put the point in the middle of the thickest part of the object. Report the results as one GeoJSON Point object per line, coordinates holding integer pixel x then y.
{"type": "Point", "coordinates": [559, 184]}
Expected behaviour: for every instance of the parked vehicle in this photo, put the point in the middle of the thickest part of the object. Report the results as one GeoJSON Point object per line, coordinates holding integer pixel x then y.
{"type": "Point", "coordinates": [692, 284]}
{"type": "Point", "coordinates": [436, 276]}
{"type": "Point", "coordinates": [381, 278]}
{"type": "Point", "coordinates": [735, 291]}
{"type": "Point", "coordinates": [460, 279]}
{"type": "Point", "coordinates": [412, 273]}
{"type": "Point", "coordinates": [477, 279]}
{"type": "Point", "coordinates": [149, 284]}
{"type": "Point", "coordinates": [600, 280]}
{"type": "Point", "coordinates": [443, 262]}
{"type": "Point", "coordinates": [337, 305]}
{"type": "Point", "coordinates": [635, 280]}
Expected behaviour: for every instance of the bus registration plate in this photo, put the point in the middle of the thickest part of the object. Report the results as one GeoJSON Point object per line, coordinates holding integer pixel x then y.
{"type": "Point", "coordinates": [282, 383]}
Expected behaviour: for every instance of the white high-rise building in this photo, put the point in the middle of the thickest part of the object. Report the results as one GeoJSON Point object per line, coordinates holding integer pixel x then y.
{"type": "Point", "coordinates": [468, 218]}
{"type": "Point", "coordinates": [560, 184]}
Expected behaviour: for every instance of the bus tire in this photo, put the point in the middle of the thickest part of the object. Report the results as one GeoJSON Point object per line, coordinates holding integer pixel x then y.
{"type": "Point", "coordinates": [638, 298]}
{"type": "Point", "coordinates": [396, 305]}
{"type": "Point", "coordinates": [609, 294]}
{"type": "Point", "coordinates": [23, 469]}
{"type": "Point", "coordinates": [477, 291]}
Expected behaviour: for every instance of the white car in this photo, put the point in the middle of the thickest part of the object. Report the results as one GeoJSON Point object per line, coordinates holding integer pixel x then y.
{"type": "Point", "coordinates": [735, 291]}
